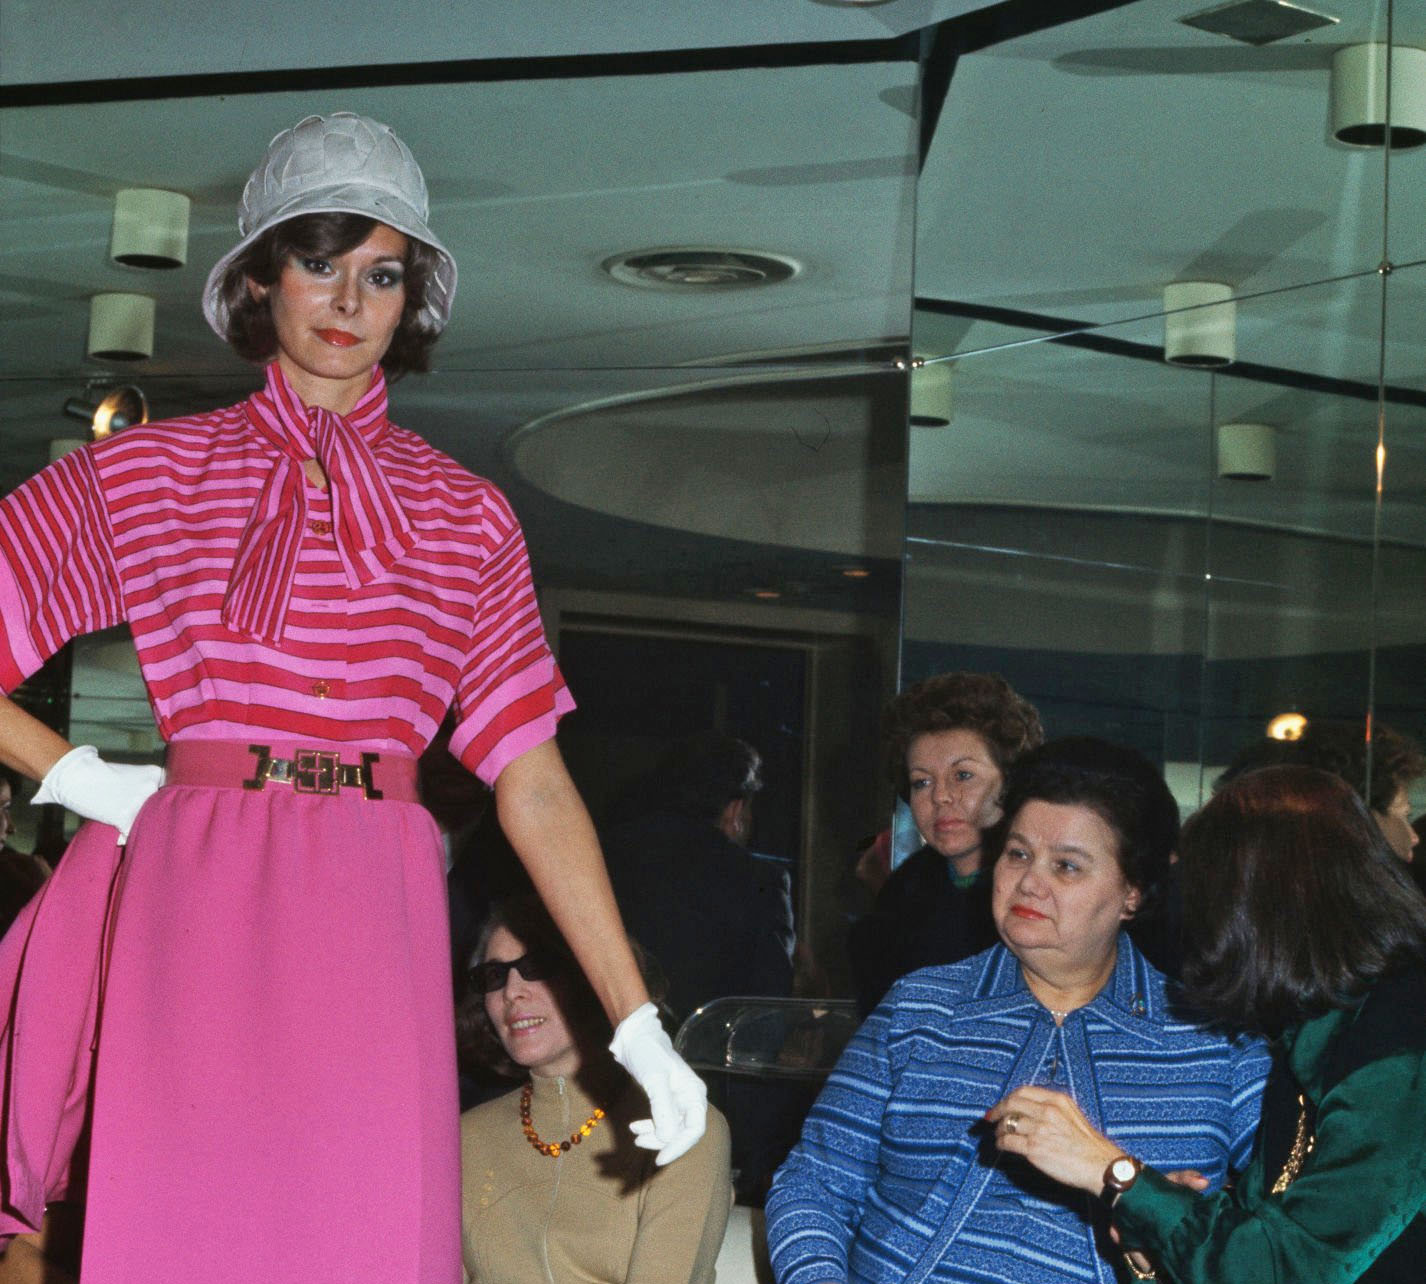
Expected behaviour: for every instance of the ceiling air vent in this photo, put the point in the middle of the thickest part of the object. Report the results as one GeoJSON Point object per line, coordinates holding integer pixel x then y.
{"type": "Point", "coordinates": [1258, 22]}
{"type": "Point", "coordinates": [699, 268]}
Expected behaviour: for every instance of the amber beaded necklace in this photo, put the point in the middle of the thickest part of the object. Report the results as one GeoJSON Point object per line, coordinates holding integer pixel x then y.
{"type": "Point", "coordinates": [553, 1148]}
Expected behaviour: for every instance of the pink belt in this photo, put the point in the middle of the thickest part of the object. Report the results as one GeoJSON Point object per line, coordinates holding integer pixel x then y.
{"type": "Point", "coordinates": [326, 770]}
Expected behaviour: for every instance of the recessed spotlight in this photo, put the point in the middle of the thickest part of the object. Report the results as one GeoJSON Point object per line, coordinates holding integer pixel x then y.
{"type": "Point", "coordinates": [700, 268]}
{"type": "Point", "coordinates": [1287, 726]}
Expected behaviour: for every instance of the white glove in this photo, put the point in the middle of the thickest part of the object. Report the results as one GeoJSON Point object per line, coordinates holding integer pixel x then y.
{"type": "Point", "coordinates": [110, 792]}
{"type": "Point", "coordinates": [678, 1099]}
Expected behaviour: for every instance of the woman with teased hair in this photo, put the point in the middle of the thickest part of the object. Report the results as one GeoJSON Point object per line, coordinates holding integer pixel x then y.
{"type": "Point", "coordinates": [1302, 925]}
{"type": "Point", "coordinates": [949, 741]}
{"type": "Point", "coordinates": [246, 956]}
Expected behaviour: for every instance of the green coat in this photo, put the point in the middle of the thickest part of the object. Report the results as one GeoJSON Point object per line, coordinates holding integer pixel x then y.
{"type": "Point", "coordinates": [1357, 1209]}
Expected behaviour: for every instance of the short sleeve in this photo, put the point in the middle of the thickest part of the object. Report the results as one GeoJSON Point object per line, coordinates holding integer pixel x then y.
{"type": "Point", "coordinates": [58, 578]}
{"type": "Point", "coordinates": [510, 693]}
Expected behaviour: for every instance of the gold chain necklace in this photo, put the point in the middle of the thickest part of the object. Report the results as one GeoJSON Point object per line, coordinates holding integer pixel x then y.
{"type": "Point", "coordinates": [553, 1148]}
{"type": "Point", "coordinates": [1302, 1145]}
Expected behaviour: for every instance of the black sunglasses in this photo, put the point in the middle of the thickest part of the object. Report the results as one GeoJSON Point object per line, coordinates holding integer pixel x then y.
{"type": "Point", "coordinates": [491, 975]}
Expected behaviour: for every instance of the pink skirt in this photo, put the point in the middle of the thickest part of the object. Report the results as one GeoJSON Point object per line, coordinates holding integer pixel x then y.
{"type": "Point", "coordinates": [253, 1002]}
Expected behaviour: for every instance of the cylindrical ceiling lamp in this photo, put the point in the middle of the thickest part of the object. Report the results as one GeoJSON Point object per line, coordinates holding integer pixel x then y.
{"type": "Point", "coordinates": [1359, 106]}
{"type": "Point", "coordinates": [1200, 324]}
{"type": "Point", "coordinates": [931, 394]}
{"type": "Point", "coordinates": [121, 327]}
{"type": "Point", "coordinates": [150, 228]}
{"type": "Point", "coordinates": [1247, 452]}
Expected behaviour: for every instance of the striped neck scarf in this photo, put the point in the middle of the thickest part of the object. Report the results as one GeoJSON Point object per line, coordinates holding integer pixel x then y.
{"type": "Point", "coordinates": [371, 529]}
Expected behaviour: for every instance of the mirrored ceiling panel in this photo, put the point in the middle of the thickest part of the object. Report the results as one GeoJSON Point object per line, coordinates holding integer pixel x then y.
{"type": "Point", "coordinates": [1083, 422]}
{"type": "Point", "coordinates": [1080, 169]}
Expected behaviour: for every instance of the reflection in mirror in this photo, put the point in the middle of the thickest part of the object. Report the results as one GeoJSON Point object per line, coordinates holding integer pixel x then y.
{"type": "Point", "coordinates": [1400, 605]}
{"type": "Point", "coordinates": [1073, 525]}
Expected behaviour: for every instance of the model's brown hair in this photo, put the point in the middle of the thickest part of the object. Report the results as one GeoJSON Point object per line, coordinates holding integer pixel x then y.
{"type": "Point", "coordinates": [250, 329]}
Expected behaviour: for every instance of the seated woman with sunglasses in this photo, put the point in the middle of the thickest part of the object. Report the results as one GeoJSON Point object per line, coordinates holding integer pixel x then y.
{"type": "Point", "coordinates": [553, 1185]}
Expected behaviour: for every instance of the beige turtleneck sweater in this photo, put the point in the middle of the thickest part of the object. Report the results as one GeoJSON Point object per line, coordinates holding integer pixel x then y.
{"type": "Point", "coordinates": [601, 1212]}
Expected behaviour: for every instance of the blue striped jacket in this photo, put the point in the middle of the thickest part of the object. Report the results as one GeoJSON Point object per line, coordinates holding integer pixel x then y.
{"type": "Point", "coordinates": [894, 1179]}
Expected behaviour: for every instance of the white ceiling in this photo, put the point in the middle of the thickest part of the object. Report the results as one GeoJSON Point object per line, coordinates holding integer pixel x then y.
{"type": "Point", "coordinates": [1073, 173]}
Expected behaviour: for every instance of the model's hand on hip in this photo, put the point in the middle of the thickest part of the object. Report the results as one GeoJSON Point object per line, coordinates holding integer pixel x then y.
{"type": "Point", "coordinates": [109, 792]}
{"type": "Point", "coordinates": [678, 1100]}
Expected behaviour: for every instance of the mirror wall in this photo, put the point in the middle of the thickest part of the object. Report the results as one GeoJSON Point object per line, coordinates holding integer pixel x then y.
{"type": "Point", "coordinates": [1073, 524]}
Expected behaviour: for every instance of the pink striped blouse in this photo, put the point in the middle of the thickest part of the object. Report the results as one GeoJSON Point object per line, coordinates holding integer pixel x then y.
{"type": "Point", "coordinates": [261, 603]}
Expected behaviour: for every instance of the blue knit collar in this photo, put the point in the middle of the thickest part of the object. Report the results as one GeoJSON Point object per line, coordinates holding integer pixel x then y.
{"type": "Point", "coordinates": [1133, 998]}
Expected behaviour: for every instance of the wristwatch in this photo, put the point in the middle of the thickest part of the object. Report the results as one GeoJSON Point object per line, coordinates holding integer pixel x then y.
{"type": "Point", "coordinates": [1118, 1177]}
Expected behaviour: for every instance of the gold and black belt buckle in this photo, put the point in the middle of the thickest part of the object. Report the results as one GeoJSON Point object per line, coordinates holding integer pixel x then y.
{"type": "Point", "coordinates": [314, 771]}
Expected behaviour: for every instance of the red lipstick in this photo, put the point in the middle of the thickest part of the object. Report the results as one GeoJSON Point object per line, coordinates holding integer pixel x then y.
{"type": "Point", "coordinates": [338, 338]}
{"type": "Point", "coordinates": [1024, 911]}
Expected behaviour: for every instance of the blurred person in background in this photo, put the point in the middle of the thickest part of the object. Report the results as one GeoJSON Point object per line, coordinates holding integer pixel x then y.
{"type": "Point", "coordinates": [948, 742]}
{"type": "Point", "coordinates": [1395, 762]}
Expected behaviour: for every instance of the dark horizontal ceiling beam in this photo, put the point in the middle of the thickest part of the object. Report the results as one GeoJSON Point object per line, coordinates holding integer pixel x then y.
{"type": "Point", "coordinates": [1085, 334]}
{"type": "Point", "coordinates": [466, 71]}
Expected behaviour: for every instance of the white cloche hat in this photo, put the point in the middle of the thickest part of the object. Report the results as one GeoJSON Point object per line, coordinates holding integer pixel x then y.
{"type": "Point", "coordinates": [341, 163]}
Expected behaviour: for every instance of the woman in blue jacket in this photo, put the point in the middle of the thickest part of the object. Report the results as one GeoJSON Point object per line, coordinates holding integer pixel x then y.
{"type": "Point", "coordinates": [896, 1177]}
{"type": "Point", "coordinates": [1303, 925]}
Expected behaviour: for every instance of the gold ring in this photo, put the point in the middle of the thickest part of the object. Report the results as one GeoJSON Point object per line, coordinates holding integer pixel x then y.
{"type": "Point", "coordinates": [1012, 1121]}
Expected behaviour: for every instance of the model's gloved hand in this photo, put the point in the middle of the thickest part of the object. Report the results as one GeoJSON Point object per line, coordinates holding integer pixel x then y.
{"type": "Point", "coordinates": [678, 1099]}
{"type": "Point", "coordinates": [110, 792]}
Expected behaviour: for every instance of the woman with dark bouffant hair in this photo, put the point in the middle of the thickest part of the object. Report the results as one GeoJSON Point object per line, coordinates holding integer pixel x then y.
{"type": "Point", "coordinates": [1301, 924]}
{"type": "Point", "coordinates": [559, 1144]}
{"type": "Point", "coordinates": [310, 588]}
{"type": "Point", "coordinates": [949, 741]}
{"type": "Point", "coordinates": [893, 1178]}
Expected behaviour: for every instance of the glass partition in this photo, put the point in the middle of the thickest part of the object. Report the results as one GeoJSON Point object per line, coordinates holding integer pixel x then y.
{"type": "Point", "coordinates": [1170, 553]}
